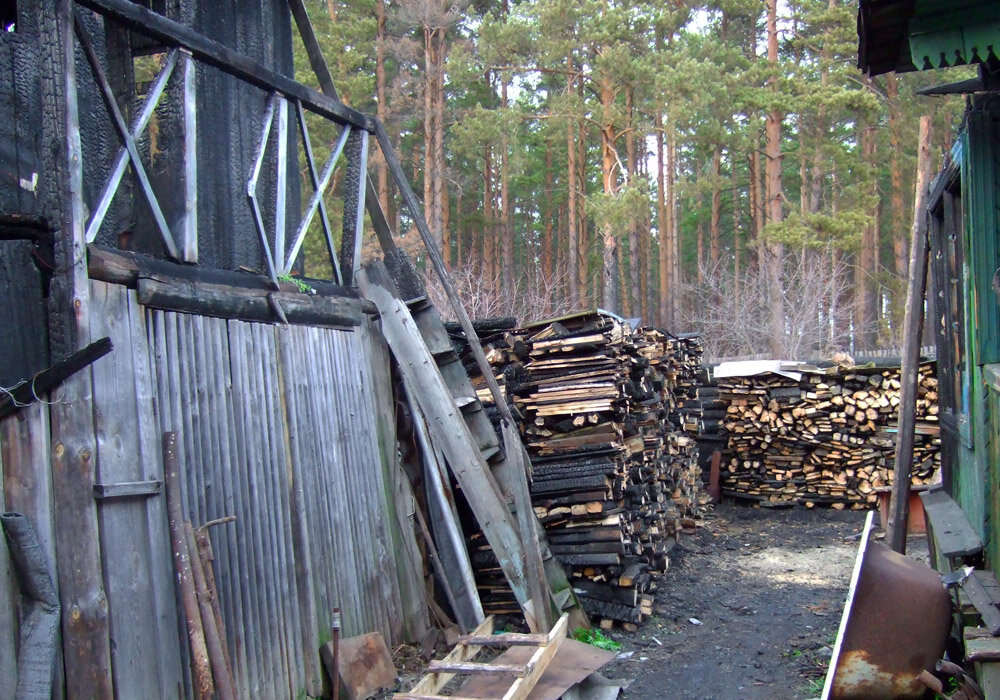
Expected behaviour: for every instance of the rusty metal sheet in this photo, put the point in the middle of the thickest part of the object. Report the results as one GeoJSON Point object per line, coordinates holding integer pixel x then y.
{"type": "Point", "coordinates": [894, 626]}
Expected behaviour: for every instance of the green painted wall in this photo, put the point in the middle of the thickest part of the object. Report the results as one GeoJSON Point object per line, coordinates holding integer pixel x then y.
{"type": "Point", "coordinates": [977, 473]}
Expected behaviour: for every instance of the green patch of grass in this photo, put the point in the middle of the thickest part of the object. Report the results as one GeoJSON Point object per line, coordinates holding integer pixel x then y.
{"type": "Point", "coordinates": [597, 638]}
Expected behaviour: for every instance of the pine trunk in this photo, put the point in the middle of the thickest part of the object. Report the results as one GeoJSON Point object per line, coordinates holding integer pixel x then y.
{"type": "Point", "coordinates": [573, 229]}
{"type": "Point", "coordinates": [663, 297]}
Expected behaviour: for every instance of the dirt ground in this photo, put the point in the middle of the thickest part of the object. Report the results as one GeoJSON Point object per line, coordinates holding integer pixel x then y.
{"type": "Point", "coordinates": [749, 608]}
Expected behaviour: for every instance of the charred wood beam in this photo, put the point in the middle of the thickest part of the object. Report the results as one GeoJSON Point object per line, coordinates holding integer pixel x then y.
{"type": "Point", "coordinates": [125, 267]}
{"type": "Point", "coordinates": [45, 381]}
{"type": "Point", "coordinates": [152, 24]}
{"type": "Point", "coordinates": [223, 301]}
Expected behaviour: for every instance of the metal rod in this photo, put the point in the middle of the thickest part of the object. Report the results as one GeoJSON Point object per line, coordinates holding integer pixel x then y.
{"type": "Point", "coordinates": [126, 137]}
{"type": "Point", "coordinates": [324, 182]}
{"type": "Point", "coordinates": [121, 160]}
{"type": "Point", "coordinates": [314, 176]}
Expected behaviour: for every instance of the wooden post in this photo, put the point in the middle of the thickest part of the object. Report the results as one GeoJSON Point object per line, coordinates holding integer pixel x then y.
{"type": "Point", "coordinates": [85, 623]}
{"type": "Point", "coordinates": [913, 330]}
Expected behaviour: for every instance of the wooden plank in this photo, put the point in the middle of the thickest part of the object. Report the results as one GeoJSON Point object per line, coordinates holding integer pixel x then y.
{"type": "Point", "coordinates": [128, 489]}
{"type": "Point", "coordinates": [451, 433]}
{"type": "Point", "coordinates": [913, 325]}
{"type": "Point", "coordinates": [981, 589]}
{"type": "Point", "coordinates": [432, 683]}
{"type": "Point", "coordinates": [413, 619]}
{"type": "Point", "coordinates": [296, 432]}
{"type": "Point", "coordinates": [45, 381]}
{"type": "Point", "coordinates": [451, 548]}
{"type": "Point", "coordinates": [981, 645]}
{"type": "Point", "coordinates": [473, 667]}
{"type": "Point", "coordinates": [152, 24]}
{"type": "Point", "coordinates": [505, 639]}
{"type": "Point", "coordinates": [86, 625]}
{"type": "Point", "coordinates": [539, 662]}
{"type": "Point", "coordinates": [953, 535]}
{"type": "Point", "coordinates": [224, 301]}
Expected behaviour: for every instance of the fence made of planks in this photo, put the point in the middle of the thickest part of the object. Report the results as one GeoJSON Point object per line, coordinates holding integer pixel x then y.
{"type": "Point", "coordinates": [287, 428]}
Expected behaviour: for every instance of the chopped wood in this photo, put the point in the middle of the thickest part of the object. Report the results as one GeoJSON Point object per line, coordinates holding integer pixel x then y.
{"type": "Point", "coordinates": [825, 438]}
{"type": "Point", "coordinates": [610, 417]}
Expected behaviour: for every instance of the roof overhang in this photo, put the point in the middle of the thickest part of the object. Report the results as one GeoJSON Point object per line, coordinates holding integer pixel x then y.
{"type": "Point", "coordinates": [906, 35]}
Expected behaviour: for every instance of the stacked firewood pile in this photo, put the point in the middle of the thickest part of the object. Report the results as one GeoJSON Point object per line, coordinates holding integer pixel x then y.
{"type": "Point", "coordinates": [615, 475]}
{"type": "Point", "coordinates": [822, 437]}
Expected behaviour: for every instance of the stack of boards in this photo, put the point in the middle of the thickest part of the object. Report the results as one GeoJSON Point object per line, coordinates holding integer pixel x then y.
{"type": "Point", "coordinates": [609, 416]}
{"type": "Point", "coordinates": [822, 436]}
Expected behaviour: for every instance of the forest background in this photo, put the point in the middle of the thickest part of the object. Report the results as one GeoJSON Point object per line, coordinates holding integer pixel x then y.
{"type": "Point", "coordinates": [721, 168]}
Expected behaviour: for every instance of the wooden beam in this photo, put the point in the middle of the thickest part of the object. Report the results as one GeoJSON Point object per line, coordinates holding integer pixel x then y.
{"type": "Point", "coordinates": [223, 301]}
{"type": "Point", "coordinates": [450, 433]}
{"type": "Point", "coordinates": [48, 379]}
{"type": "Point", "coordinates": [913, 325]}
{"type": "Point", "coordinates": [86, 627]}
{"type": "Point", "coordinates": [152, 24]}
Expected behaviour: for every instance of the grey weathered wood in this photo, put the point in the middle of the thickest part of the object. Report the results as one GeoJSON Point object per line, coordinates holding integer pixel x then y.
{"type": "Point", "coordinates": [294, 433]}
{"type": "Point", "coordinates": [950, 528]}
{"type": "Point", "coordinates": [526, 522]}
{"type": "Point", "coordinates": [189, 222]}
{"type": "Point", "coordinates": [86, 626]}
{"type": "Point", "coordinates": [474, 667]}
{"type": "Point", "coordinates": [123, 132]}
{"type": "Point", "coordinates": [201, 669]}
{"type": "Point", "coordinates": [150, 460]}
{"type": "Point", "coordinates": [913, 324]}
{"type": "Point", "coordinates": [981, 590]}
{"type": "Point", "coordinates": [449, 431]}
{"type": "Point", "coordinates": [413, 620]}
{"type": "Point", "coordinates": [139, 123]}
{"type": "Point", "coordinates": [281, 187]}
{"type": "Point", "coordinates": [238, 592]}
{"type": "Point", "coordinates": [322, 71]}
{"type": "Point", "coordinates": [314, 177]}
{"type": "Point", "coordinates": [228, 543]}
{"type": "Point", "coordinates": [128, 489]}
{"type": "Point", "coordinates": [457, 569]}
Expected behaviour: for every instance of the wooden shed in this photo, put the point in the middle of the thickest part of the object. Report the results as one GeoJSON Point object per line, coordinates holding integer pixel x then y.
{"type": "Point", "coordinates": [152, 196]}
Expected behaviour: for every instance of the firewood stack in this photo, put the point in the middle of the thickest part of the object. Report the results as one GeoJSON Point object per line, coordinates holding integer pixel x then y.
{"type": "Point", "coordinates": [826, 437]}
{"type": "Point", "coordinates": [614, 478]}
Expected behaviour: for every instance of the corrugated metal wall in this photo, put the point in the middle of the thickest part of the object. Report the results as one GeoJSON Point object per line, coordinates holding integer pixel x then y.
{"type": "Point", "coordinates": [278, 427]}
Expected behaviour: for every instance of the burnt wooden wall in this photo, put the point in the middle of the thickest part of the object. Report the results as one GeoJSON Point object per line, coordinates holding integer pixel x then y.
{"type": "Point", "coordinates": [229, 119]}
{"type": "Point", "coordinates": [23, 338]}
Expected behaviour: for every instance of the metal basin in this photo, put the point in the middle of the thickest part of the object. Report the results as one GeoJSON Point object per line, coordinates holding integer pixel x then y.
{"type": "Point", "coordinates": [894, 626]}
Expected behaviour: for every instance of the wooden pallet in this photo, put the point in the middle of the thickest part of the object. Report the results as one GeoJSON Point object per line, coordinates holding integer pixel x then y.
{"type": "Point", "coordinates": [460, 661]}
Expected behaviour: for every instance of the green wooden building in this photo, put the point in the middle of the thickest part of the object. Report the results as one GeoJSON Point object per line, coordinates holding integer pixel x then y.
{"type": "Point", "coordinates": [964, 226]}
